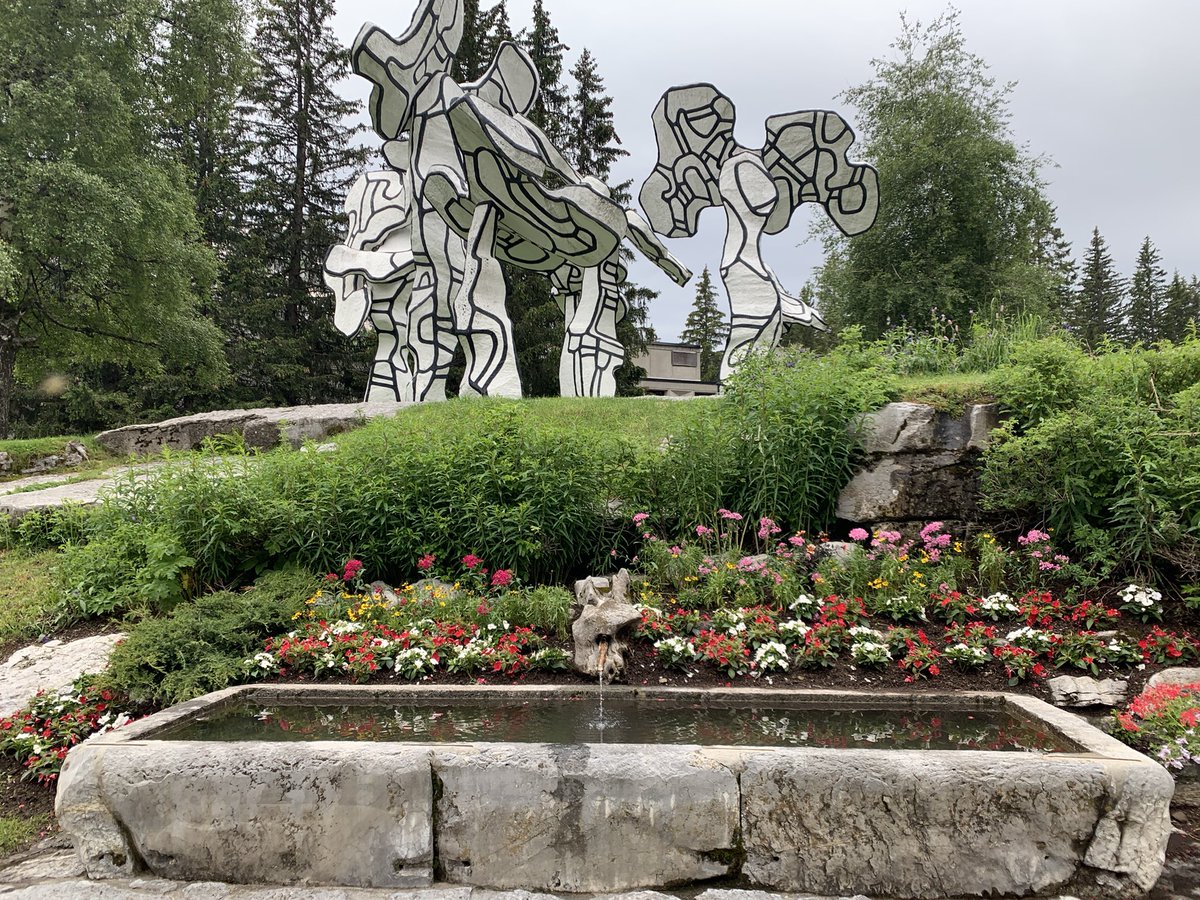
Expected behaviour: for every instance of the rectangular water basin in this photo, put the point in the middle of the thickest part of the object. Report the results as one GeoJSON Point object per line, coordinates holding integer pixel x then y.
{"type": "Point", "coordinates": [520, 787]}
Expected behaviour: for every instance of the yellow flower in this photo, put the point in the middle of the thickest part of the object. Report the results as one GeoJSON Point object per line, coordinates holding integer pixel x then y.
{"type": "Point", "coordinates": [958, 547]}
{"type": "Point", "coordinates": [730, 566]}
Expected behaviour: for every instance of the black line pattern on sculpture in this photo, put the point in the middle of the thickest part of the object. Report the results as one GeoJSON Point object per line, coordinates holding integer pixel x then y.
{"type": "Point", "coordinates": [481, 173]}
{"type": "Point", "coordinates": [805, 160]}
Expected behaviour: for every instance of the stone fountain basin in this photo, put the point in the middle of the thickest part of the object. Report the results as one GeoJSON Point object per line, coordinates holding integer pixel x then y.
{"type": "Point", "coordinates": [602, 818]}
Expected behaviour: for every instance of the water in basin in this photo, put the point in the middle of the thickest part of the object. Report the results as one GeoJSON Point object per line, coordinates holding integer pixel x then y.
{"type": "Point", "coordinates": [626, 721]}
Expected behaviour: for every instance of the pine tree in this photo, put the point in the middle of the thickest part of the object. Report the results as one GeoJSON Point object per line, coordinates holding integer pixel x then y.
{"type": "Point", "coordinates": [1097, 309]}
{"type": "Point", "coordinates": [707, 327]}
{"type": "Point", "coordinates": [1181, 308]}
{"type": "Point", "coordinates": [278, 312]}
{"type": "Point", "coordinates": [483, 32]}
{"type": "Point", "coordinates": [592, 143]}
{"type": "Point", "coordinates": [1147, 297]}
{"type": "Point", "coordinates": [1053, 255]}
{"type": "Point", "coordinates": [542, 43]}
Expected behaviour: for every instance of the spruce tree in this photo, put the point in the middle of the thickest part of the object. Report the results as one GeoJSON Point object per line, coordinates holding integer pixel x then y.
{"type": "Point", "coordinates": [278, 312]}
{"type": "Point", "coordinates": [542, 43]}
{"type": "Point", "coordinates": [1097, 309]}
{"type": "Point", "coordinates": [592, 143]}
{"type": "Point", "coordinates": [484, 29]}
{"type": "Point", "coordinates": [1053, 256]}
{"type": "Point", "coordinates": [1181, 308]}
{"type": "Point", "coordinates": [1147, 297]}
{"type": "Point", "coordinates": [707, 327]}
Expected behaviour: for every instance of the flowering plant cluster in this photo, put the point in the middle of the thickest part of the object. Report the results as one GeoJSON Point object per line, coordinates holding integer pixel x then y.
{"type": "Point", "coordinates": [1162, 722]}
{"type": "Point", "coordinates": [41, 734]}
{"type": "Point", "coordinates": [360, 650]}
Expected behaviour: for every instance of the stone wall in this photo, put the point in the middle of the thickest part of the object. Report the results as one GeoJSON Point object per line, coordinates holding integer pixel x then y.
{"type": "Point", "coordinates": [921, 466]}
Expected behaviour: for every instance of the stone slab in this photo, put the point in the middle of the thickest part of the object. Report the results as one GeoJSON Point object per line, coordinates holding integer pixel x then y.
{"type": "Point", "coordinates": [288, 813]}
{"type": "Point", "coordinates": [1081, 691]}
{"type": "Point", "coordinates": [935, 824]}
{"type": "Point", "coordinates": [50, 667]}
{"type": "Point", "coordinates": [261, 428]}
{"type": "Point", "coordinates": [583, 818]}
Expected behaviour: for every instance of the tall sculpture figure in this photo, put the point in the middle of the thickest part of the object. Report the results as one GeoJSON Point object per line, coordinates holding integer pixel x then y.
{"type": "Point", "coordinates": [700, 165]}
{"type": "Point", "coordinates": [371, 274]}
{"type": "Point", "coordinates": [487, 187]}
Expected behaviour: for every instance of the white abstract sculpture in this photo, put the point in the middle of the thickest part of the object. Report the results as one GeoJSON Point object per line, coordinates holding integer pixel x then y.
{"type": "Point", "coordinates": [371, 274]}
{"type": "Point", "coordinates": [700, 165]}
{"type": "Point", "coordinates": [488, 187]}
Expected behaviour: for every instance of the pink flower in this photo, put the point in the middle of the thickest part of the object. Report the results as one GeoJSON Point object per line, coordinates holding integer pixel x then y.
{"type": "Point", "coordinates": [703, 531]}
{"type": "Point", "coordinates": [676, 551]}
{"type": "Point", "coordinates": [425, 563]}
{"type": "Point", "coordinates": [350, 572]}
{"type": "Point", "coordinates": [729, 516]}
{"type": "Point", "coordinates": [639, 518]}
{"type": "Point", "coordinates": [859, 534]}
{"type": "Point", "coordinates": [330, 578]}
{"type": "Point", "coordinates": [767, 527]}
{"type": "Point", "coordinates": [471, 561]}
{"type": "Point", "coordinates": [502, 578]}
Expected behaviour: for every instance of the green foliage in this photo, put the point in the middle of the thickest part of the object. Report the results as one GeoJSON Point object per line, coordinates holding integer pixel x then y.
{"type": "Point", "coordinates": [1147, 297]}
{"type": "Point", "coordinates": [101, 246]}
{"type": "Point", "coordinates": [201, 645]}
{"type": "Point", "coordinates": [16, 833]}
{"type": "Point", "coordinates": [496, 482]}
{"type": "Point", "coordinates": [133, 566]}
{"type": "Point", "coordinates": [706, 327]}
{"type": "Point", "coordinates": [778, 443]}
{"type": "Point", "coordinates": [46, 529]}
{"type": "Point", "coordinates": [1104, 449]}
{"type": "Point", "coordinates": [27, 594]}
{"type": "Point", "coordinates": [544, 608]}
{"type": "Point", "coordinates": [963, 217]}
{"type": "Point", "coordinates": [1097, 310]}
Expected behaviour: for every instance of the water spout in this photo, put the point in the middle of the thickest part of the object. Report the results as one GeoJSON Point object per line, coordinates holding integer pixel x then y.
{"type": "Point", "coordinates": [603, 657]}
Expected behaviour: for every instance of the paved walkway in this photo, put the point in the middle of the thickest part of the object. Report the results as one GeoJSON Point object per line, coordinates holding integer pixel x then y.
{"type": "Point", "coordinates": [17, 500]}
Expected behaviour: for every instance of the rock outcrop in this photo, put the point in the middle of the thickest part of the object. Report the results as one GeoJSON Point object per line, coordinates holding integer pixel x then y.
{"type": "Point", "coordinates": [921, 465]}
{"type": "Point", "coordinates": [261, 429]}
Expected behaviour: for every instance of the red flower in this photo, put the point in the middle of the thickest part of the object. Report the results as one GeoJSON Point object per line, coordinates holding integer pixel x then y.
{"type": "Point", "coordinates": [502, 578]}
{"type": "Point", "coordinates": [471, 561]}
{"type": "Point", "coordinates": [425, 563]}
{"type": "Point", "coordinates": [350, 572]}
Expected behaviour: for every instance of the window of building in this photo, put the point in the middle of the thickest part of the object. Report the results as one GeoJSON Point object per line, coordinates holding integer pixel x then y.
{"type": "Point", "coordinates": [685, 358]}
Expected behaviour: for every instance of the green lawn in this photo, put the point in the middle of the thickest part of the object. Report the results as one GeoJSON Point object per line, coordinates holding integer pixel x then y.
{"type": "Point", "coordinates": [25, 451]}
{"type": "Point", "coordinates": [27, 594]}
{"type": "Point", "coordinates": [948, 393]}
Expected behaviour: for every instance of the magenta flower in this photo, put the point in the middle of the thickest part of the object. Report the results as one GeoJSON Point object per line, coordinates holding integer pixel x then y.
{"type": "Point", "coordinates": [502, 578]}
{"type": "Point", "coordinates": [425, 563]}
{"type": "Point", "coordinates": [350, 572]}
{"type": "Point", "coordinates": [767, 527]}
{"type": "Point", "coordinates": [471, 561]}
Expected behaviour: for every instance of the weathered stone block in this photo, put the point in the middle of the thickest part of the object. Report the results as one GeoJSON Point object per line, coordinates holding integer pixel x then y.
{"type": "Point", "coordinates": [1075, 691]}
{"type": "Point", "coordinates": [583, 818]}
{"type": "Point", "coordinates": [261, 428]}
{"type": "Point", "coordinates": [353, 815]}
{"type": "Point", "coordinates": [938, 824]}
{"type": "Point", "coordinates": [912, 487]}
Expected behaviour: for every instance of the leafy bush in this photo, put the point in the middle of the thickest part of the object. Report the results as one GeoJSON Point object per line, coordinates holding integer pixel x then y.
{"type": "Point", "coordinates": [531, 498]}
{"type": "Point", "coordinates": [48, 529]}
{"type": "Point", "coordinates": [201, 646]}
{"type": "Point", "coordinates": [1106, 450]}
{"type": "Point", "coordinates": [780, 444]}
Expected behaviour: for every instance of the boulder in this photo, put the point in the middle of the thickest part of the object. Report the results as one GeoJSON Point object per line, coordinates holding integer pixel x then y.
{"type": "Point", "coordinates": [1181, 675]}
{"type": "Point", "coordinates": [261, 429]}
{"type": "Point", "coordinates": [6, 462]}
{"type": "Point", "coordinates": [50, 667]}
{"type": "Point", "coordinates": [75, 454]}
{"type": "Point", "coordinates": [1075, 691]}
{"type": "Point", "coordinates": [921, 464]}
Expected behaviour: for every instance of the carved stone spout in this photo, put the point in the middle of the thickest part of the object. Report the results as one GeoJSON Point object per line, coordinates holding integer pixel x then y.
{"type": "Point", "coordinates": [601, 629]}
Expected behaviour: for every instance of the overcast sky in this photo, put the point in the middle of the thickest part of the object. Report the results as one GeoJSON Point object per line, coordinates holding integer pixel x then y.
{"type": "Point", "coordinates": [1108, 89]}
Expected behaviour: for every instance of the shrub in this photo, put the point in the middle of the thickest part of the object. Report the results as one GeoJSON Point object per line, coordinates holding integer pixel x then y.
{"type": "Point", "coordinates": [201, 646]}
{"type": "Point", "coordinates": [527, 496]}
{"type": "Point", "coordinates": [780, 443]}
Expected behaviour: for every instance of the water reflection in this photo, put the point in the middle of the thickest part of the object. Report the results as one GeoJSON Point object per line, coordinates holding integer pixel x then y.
{"type": "Point", "coordinates": [581, 720]}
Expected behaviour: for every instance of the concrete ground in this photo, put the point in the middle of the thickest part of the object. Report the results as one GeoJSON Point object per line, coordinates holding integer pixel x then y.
{"type": "Point", "coordinates": [51, 871]}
